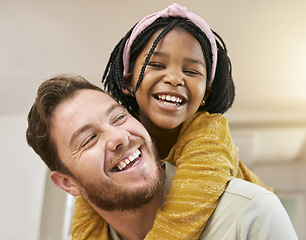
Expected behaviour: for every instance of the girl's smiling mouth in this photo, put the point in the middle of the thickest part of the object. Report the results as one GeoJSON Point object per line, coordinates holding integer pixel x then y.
{"type": "Point", "coordinates": [170, 99]}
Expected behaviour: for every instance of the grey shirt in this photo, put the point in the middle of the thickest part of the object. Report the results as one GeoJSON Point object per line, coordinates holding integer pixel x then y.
{"type": "Point", "coordinates": [244, 211]}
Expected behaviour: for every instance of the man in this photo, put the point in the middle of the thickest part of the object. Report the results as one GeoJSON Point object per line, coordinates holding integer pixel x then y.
{"type": "Point", "coordinates": [94, 148]}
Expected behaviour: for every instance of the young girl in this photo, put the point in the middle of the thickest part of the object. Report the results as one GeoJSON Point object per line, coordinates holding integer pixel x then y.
{"type": "Point", "coordinates": [173, 73]}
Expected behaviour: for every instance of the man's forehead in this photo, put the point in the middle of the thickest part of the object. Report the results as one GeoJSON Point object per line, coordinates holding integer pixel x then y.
{"type": "Point", "coordinates": [89, 101]}
{"type": "Point", "coordinates": [85, 108]}
{"type": "Point", "coordinates": [91, 93]}
{"type": "Point", "coordinates": [84, 102]}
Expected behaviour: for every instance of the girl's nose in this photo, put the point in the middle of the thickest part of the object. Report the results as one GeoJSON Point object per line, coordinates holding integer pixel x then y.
{"type": "Point", "coordinates": [174, 78]}
{"type": "Point", "coordinates": [117, 137]}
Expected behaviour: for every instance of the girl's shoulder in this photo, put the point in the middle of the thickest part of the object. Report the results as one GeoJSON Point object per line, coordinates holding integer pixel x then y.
{"type": "Point", "coordinates": [203, 120]}
{"type": "Point", "coordinates": [204, 124]}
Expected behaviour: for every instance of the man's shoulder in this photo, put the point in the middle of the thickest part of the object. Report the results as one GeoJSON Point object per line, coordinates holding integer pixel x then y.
{"type": "Point", "coordinates": [245, 189]}
{"type": "Point", "coordinates": [246, 209]}
{"type": "Point", "coordinates": [240, 194]}
{"type": "Point", "coordinates": [243, 196]}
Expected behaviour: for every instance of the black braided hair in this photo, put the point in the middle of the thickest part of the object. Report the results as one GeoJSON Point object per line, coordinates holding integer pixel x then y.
{"type": "Point", "coordinates": [154, 45]}
{"type": "Point", "coordinates": [223, 91]}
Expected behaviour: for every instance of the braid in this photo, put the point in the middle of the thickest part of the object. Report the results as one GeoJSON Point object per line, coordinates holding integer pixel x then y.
{"type": "Point", "coordinates": [204, 42]}
{"type": "Point", "coordinates": [113, 76]}
{"type": "Point", "coordinates": [159, 37]}
{"type": "Point", "coordinates": [223, 89]}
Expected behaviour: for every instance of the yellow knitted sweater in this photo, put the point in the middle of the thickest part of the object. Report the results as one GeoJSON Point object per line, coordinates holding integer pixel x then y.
{"type": "Point", "coordinates": [206, 158]}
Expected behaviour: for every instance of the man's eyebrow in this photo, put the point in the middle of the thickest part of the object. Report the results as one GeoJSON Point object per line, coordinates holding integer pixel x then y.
{"type": "Point", "coordinates": [82, 129]}
{"type": "Point", "coordinates": [157, 53]}
{"type": "Point", "coordinates": [77, 133]}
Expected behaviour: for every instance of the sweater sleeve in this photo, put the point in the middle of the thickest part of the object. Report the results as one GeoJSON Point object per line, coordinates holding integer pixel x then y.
{"type": "Point", "coordinates": [206, 158]}
{"type": "Point", "coordinates": [87, 223]}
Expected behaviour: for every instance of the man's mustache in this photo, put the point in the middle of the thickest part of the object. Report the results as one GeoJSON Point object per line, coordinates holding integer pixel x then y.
{"type": "Point", "coordinates": [121, 150]}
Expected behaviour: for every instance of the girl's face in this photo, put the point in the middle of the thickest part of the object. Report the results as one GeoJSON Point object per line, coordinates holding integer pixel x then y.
{"type": "Point", "coordinates": [174, 82]}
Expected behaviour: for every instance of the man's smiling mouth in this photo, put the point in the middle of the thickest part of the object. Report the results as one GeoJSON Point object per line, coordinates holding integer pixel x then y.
{"type": "Point", "coordinates": [169, 100]}
{"type": "Point", "coordinates": [128, 162]}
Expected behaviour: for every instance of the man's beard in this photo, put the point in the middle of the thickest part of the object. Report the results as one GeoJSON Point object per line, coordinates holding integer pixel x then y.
{"type": "Point", "coordinates": [109, 197]}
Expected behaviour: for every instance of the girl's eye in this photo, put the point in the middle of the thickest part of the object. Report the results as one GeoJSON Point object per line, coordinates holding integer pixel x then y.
{"type": "Point", "coordinates": [191, 72]}
{"type": "Point", "coordinates": [156, 65]}
{"type": "Point", "coordinates": [89, 140]}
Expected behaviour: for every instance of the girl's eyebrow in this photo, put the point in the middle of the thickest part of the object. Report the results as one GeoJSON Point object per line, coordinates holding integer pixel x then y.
{"type": "Point", "coordinates": [157, 53]}
{"type": "Point", "coordinates": [84, 128]}
{"type": "Point", "coordinates": [194, 61]}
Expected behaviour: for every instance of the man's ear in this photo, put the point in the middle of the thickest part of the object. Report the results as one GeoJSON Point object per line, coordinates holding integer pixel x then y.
{"type": "Point", "coordinates": [128, 80]}
{"type": "Point", "coordinates": [65, 182]}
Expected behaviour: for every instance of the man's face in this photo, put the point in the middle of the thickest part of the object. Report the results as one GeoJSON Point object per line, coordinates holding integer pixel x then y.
{"type": "Point", "coordinates": [109, 153]}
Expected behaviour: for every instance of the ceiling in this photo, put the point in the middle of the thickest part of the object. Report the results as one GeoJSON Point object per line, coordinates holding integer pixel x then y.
{"type": "Point", "coordinates": [265, 40]}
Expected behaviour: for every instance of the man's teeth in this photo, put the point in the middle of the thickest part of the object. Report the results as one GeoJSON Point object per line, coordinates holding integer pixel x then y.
{"type": "Point", "coordinates": [128, 160]}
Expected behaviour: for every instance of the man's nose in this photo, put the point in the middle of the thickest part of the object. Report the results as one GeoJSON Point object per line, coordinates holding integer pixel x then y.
{"type": "Point", "coordinates": [175, 78]}
{"type": "Point", "coordinates": [117, 137]}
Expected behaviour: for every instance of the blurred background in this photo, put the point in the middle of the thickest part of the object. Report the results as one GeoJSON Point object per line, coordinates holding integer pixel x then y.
{"type": "Point", "coordinates": [266, 41]}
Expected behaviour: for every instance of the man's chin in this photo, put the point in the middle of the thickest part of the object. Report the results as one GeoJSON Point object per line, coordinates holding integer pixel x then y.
{"type": "Point", "coordinates": [111, 198]}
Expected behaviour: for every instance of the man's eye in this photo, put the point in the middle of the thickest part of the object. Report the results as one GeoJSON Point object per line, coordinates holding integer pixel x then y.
{"type": "Point", "coordinates": [120, 119]}
{"type": "Point", "coordinates": [89, 140]}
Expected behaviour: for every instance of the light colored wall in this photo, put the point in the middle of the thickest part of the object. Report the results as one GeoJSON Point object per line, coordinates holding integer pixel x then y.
{"type": "Point", "coordinates": [266, 43]}
{"type": "Point", "coordinates": [22, 182]}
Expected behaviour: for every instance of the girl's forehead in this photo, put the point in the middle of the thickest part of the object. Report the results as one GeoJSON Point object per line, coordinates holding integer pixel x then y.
{"type": "Point", "coordinates": [177, 29]}
{"type": "Point", "coordinates": [181, 33]}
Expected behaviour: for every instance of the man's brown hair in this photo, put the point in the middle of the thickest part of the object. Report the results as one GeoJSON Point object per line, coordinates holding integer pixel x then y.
{"type": "Point", "coordinates": [50, 94]}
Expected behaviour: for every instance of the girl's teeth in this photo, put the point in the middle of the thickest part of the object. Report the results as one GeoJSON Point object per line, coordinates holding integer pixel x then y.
{"type": "Point", "coordinates": [170, 98]}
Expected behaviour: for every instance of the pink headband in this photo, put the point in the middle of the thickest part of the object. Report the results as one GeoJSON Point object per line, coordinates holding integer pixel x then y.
{"type": "Point", "coordinates": [174, 10]}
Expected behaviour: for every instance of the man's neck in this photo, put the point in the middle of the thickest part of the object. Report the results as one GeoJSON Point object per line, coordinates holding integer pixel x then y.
{"type": "Point", "coordinates": [133, 225]}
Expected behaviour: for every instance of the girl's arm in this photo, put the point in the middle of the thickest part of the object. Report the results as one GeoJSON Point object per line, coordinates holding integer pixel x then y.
{"type": "Point", "coordinates": [87, 223]}
{"type": "Point", "coordinates": [206, 158]}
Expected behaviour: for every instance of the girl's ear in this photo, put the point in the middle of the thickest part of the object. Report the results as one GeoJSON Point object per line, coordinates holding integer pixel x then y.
{"type": "Point", "coordinates": [65, 182]}
{"type": "Point", "coordinates": [206, 95]}
{"type": "Point", "coordinates": [128, 80]}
